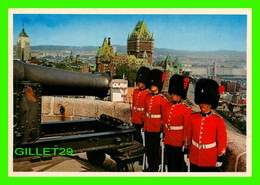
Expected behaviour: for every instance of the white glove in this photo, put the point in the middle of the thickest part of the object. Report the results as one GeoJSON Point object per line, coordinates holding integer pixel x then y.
{"type": "Point", "coordinates": [186, 159]}
{"type": "Point", "coordinates": [220, 160]}
{"type": "Point", "coordinates": [219, 164]}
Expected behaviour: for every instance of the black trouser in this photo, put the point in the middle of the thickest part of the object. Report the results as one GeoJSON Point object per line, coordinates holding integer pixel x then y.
{"type": "Point", "coordinates": [175, 160]}
{"type": "Point", "coordinates": [195, 168]}
{"type": "Point", "coordinates": [137, 133]}
{"type": "Point", "coordinates": [152, 146]}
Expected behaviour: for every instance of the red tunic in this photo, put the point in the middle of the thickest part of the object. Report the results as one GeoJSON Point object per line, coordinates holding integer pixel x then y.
{"type": "Point", "coordinates": [209, 131]}
{"type": "Point", "coordinates": [175, 120]}
{"type": "Point", "coordinates": [138, 106]}
{"type": "Point", "coordinates": [153, 112]}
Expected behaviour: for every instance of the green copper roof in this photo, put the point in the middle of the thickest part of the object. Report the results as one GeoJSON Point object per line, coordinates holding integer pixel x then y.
{"type": "Point", "coordinates": [23, 34]}
{"type": "Point", "coordinates": [141, 31]}
{"type": "Point", "coordinates": [168, 59]}
{"type": "Point", "coordinates": [177, 61]}
{"type": "Point", "coordinates": [145, 55]}
{"type": "Point", "coordinates": [105, 48]}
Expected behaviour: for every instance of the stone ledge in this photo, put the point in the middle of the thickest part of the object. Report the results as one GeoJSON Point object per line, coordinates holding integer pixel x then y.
{"type": "Point", "coordinates": [236, 148]}
{"type": "Point", "coordinates": [122, 111]}
{"type": "Point", "coordinates": [85, 108]}
{"type": "Point", "coordinates": [67, 103]}
{"type": "Point", "coordinates": [46, 104]}
{"type": "Point", "coordinates": [105, 107]}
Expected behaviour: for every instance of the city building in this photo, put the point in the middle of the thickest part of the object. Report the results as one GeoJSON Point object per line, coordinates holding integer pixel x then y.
{"type": "Point", "coordinates": [186, 69]}
{"type": "Point", "coordinates": [231, 87]}
{"type": "Point", "coordinates": [23, 49]}
{"type": "Point", "coordinates": [105, 57]}
{"type": "Point", "coordinates": [140, 48]}
{"type": "Point", "coordinates": [119, 90]}
{"type": "Point", "coordinates": [107, 61]}
{"type": "Point", "coordinates": [140, 42]}
{"type": "Point", "coordinates": [235, 98]}
{"type": "Point", "coordinates": [226, 96]}
{"type": "Point", "coordinates": [130, 92]}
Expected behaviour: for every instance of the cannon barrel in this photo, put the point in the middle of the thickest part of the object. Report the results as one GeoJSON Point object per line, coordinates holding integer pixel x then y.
{"type": "Point", "coordinates": [62, 82]}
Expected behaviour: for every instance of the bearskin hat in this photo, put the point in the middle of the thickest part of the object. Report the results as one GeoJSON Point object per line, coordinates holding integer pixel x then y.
{"type": "Point", "coordinates": [178, 85]}
{"type": "Point", "coordinates": [142, 76]}
{"type": "Point", "coordinates": [208, 91]}
{"type": "Point", "coordinates": [156, 78]}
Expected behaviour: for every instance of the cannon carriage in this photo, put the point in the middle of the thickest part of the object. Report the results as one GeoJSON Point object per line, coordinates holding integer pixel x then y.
{"type": "Point", "coordinates": [95, 136]}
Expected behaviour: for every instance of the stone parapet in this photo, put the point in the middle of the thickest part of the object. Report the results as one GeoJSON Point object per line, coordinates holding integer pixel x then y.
{"type": "Point", "coordinates": [236, 152]}
{"type": "Point", "coordinates": [81, 108]}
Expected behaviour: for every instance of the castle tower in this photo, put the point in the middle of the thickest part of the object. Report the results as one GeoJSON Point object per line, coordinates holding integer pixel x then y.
{"type": "Point", "coordinates": [23, 50]}
{"type": "Point", "coordinates": [104, 57]}
{"type": "Point", "coordinates": [140, 41]}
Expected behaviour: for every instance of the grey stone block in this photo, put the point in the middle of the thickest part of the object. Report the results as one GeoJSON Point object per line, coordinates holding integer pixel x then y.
{"type": "Point", "coordinates": [46, 104]}
{"type": "Point", "coordinates": [85, 108]}
{"type": "Point", "coordinates": [123, 112]}
{"type": "Point", "coordinates": [105, 107]}
{"type": "Point", "coordinates": [67, 103]}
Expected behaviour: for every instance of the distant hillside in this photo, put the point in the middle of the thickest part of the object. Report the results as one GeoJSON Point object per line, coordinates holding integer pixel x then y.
{"type": "Point", "coordinates": [159, 53]}
{"type": "Point", "coordinates": [73, 48]}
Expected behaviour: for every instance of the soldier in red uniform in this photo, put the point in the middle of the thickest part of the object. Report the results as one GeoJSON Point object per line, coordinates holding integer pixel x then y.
{"type": "Point", "coordinates": [138, 102]}
{"type": "Point", "coordinates": [206, 132]}
{"type": "Point", "coordinates": [153, 118]}
{"type": "Point", "coordinates": [175, 117]}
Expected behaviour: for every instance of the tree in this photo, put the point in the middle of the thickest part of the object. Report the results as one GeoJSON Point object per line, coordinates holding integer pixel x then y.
{"type": "Point", "coordinates": [62, 66]}
{"type": "Point", "coordinates": [129, 73]}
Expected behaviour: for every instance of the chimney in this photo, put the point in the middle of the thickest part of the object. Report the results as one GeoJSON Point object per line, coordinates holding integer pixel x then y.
{"type": "Point", "coordinates": [109, 41]}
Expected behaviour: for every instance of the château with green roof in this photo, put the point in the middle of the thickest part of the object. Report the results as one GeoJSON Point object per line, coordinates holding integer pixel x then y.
{"type": "Point", "coordinates": [108, 61]}
{"type": "Point", "coordinates": [140, 42]}
{"type": "Point", "coordinates": [140, 48]}
{"type": "Point", "coordinates": [104, 57]}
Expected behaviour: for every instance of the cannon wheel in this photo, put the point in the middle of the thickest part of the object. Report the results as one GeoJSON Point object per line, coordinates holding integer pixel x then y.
{"type": "Point", "coordinates": [127, 167]}
{"type": "Point", "coordinates": [96, 157]}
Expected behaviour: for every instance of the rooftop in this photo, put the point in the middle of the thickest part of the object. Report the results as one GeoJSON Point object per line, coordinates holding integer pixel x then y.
{"type": "Point", "coordinates": [23, 34]}
{"type": "Point", "coordinates": [140, 32]}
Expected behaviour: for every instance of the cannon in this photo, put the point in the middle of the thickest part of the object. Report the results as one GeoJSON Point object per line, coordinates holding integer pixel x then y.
{"type": "Point", "coordinates": [95, 136]}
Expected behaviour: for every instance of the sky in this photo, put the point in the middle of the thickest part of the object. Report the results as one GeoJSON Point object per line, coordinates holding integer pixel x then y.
{"type": "Point", "coordinates": [178, 32]}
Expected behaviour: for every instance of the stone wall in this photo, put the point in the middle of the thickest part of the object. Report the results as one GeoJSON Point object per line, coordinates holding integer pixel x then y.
{"type": "Point", "coordinates": [81, 108]}
{"type": "Point", "coordinates": [65, 109]}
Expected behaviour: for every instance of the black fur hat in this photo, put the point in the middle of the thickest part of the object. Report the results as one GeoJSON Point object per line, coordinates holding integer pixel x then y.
{"type": "Point", "coordinates": [208, 91]}
{"type": "Point", "coordinates": [178, 85]}
{"type": "Point", "coordinates": [142, 76]}
{"type": "Point", "coordinates": [156, 78]}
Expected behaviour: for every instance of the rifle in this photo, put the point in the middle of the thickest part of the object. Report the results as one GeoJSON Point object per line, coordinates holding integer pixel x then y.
{"type": "Point", "coordinates": [144, 156]}
{"type": "Point", "coordinates": [161, 168]}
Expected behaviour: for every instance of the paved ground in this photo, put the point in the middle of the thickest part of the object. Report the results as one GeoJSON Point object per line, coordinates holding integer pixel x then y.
{"type": "Point", "coordinates": [75, 163]}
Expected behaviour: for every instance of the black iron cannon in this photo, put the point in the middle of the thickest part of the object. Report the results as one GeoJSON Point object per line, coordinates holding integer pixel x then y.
{"type": "Point", "coordinates": [56, 82]}
{"type": "Point", "coordinates": [96, 136]}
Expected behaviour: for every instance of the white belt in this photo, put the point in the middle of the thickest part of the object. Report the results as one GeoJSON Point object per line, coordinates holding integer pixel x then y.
{"type": "Point", "coordinates": [203, 146]}
{"type": "Point", "coordinates": [173, 127]}
{"type": "Point", "coordinates": [153, 115]}
{"type": "Point", "coordinates": [138, 108]}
